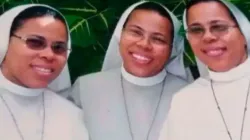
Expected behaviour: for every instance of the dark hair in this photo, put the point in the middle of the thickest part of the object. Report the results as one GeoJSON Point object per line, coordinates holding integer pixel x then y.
{"type": "Point", "coordinates": [152, 6]}
{"type": "Point", "coordinates": [34, 12]}
{"type": "Point", "coordinates": [194, 2]}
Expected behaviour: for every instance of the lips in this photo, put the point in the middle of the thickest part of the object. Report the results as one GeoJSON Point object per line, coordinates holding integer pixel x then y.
{"type": "Point", "coordinates": [43, 71]}
{"type": "Point", "coordinates": [141, 58]}
{"type": "Point", "coordinates": [215, 51]}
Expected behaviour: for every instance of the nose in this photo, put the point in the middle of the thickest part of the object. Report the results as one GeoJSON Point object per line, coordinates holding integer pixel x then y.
{"type": "Point", "coordinates": [208, 36]}
{"type": "Point", "coordinates": [47, 53]}
{"type": "Point", "coordinates": [144, 43]}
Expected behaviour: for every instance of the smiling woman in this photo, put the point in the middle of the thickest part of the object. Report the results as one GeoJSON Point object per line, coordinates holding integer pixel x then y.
{"type": "Point", "coordinates": [129, 99]}
{"type": "Point", "coordinates": [35, 44]}
{"type": "Point", "coordinates": [215, 106]}
{"type": "Point", "coordinates": [213, 34]}
{"type": "Point", "coordinates": [144, 47]}
{"type": "Point", "coordinates": [40, 44]}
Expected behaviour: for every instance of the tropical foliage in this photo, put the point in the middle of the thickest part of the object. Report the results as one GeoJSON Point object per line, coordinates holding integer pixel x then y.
{"type": "Point", "coordinates": [92, 23]}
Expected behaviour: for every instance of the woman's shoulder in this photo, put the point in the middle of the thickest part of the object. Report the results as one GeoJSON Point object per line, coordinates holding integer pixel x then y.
{"type": "Point", "coordinates": [101, 77]}
{"type": "Point", "coordinates": [175, 82]}
{"type": "Point", "coordinates": [194, 89]}
{"type": "Point", "coordinates": [175, 79]}
{"type": "Point", "coordinates": [92, 86]}
{"type": "Point", "coordinates": [60, 104]}
{"type": "Point", "coordinates": [60, 110]}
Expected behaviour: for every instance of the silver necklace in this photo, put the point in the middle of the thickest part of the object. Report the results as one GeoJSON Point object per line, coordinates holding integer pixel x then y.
{"type": "Point", "coordinates": [155, 112]}
{"type": "Point", "coordinates": [15, 121]}
{"type": "Point", "coordinates": [222, 116]}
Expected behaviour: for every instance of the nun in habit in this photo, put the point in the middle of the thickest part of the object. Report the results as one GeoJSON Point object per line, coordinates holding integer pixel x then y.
{"type": "Point", "coordinates": [34, 46]}
{"type": "Point", "coordinates": [129, 98]}
{"type": "Point", "coordinates": [215, 106]}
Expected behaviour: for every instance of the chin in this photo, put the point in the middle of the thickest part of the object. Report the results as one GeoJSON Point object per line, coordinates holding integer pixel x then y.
{"type": "Point", "coordinates": [220, 68]}
{"type": "Point", "coordinates": [37, 84]}
{"type": "Point", "coordinates": [141, 73]}
{"type": "Point", "coordinates": [138, 73]}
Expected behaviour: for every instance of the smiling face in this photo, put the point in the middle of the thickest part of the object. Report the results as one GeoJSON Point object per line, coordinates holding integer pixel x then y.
{"type": "Point", "coordinates": [35, 68]}
{"type": "Point", "coordinates": [145, 44]}
{"type": "Point", "coordinates": [220, 49]}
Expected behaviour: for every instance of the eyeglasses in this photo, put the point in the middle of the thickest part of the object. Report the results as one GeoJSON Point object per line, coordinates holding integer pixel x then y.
{"type": "Point", "coordinates": [39, 43]}
{"type": "Point", "coordinates": [134, 34]}
{"type": "Point", "coordinates": [216, 29]}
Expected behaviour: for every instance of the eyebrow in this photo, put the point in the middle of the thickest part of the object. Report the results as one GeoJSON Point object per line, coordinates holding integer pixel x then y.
{"type": "Point", "coordinates": [216, 21]}
{"type": "Point", "coordinates": [154, 33]}
{"type": "Point", "coordinates": [195, 24]}
{"type": "Point", "coordinates": [42, 37]}
{"type": "Point", "coordinates": [135, 26]}
{"type": "Point", "coordinates": [35, 35]}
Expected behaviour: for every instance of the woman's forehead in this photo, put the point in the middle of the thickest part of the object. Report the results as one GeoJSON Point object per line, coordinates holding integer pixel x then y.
{"type": "Point", "coordinates": [208, 12]}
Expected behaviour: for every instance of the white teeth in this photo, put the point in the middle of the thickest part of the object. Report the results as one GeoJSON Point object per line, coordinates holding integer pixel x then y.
{"type": "Point", "coordinates": [140, 57]}
{"type": "Point", "coordinates": [216, 52]}
{"type": "Point", "coordinates": [44, 70]}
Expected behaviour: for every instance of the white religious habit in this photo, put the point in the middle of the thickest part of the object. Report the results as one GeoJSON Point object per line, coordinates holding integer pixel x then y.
{"type": "Point", "coordinates": [214, 107]}
{"type": "Point", "coordinates": [35, 114]}
{"type": "Point", "coordinates": [121, 106]}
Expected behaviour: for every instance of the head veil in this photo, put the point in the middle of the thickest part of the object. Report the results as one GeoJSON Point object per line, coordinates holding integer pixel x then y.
{"type": "Point", "coordinates": [175, 65]}
{"type": "Point", "coordinates": [244, 26]}
{"type": "Point", "coordinates": [62, 82]}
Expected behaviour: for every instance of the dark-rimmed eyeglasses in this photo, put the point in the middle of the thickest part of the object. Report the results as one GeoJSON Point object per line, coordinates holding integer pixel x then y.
{"type": "Point", "coordinates": [36, 42]}
{"type": "Point", "coordinates": [218, 30]}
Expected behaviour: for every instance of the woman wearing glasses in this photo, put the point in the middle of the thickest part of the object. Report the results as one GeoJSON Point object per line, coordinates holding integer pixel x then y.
{"type": "Point", "coordinates": [214, 107]}
{"type": "Point", "coordinates": [35, 44]}
{"type": "Point", "coordinates": [130, 98]}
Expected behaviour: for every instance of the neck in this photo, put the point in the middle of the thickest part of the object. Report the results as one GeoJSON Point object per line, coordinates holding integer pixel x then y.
{"type": "Point", "coordinates": [144, 81]}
